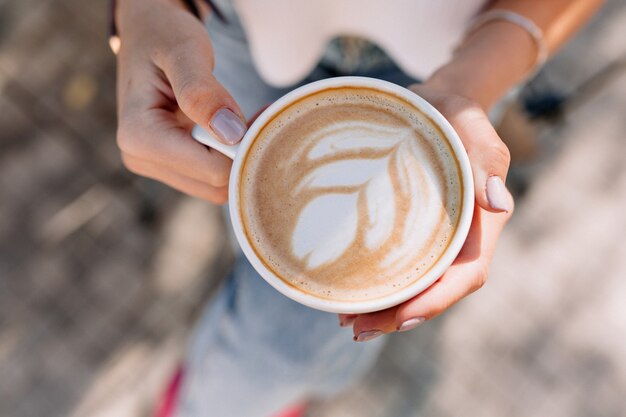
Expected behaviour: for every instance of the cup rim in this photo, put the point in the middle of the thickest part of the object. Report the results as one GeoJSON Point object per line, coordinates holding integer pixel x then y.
{"type": "Point", "coordinates": [380, 303]}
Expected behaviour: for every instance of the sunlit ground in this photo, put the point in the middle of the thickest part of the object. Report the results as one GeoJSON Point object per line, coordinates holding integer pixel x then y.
{"type": "Point", "coordinates": [102, 273]}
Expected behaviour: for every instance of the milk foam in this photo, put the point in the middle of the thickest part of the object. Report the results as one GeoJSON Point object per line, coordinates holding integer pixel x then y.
{"type": "Point", "coordinates": [350, 194]}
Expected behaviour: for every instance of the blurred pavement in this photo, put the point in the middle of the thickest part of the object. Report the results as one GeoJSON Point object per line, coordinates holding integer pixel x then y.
{"type": "Point", "coordinates": [102, 273]}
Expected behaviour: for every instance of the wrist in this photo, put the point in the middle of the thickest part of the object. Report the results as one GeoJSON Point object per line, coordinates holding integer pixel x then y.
{"type": "Point", "coordinates": [490, 61]}
{"type": "Point", "coordinates": [457, 78]}
{"type": "Point", "coordinates": [454, 78]}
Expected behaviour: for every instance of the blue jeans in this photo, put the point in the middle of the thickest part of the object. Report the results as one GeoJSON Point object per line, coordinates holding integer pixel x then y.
{"type": "Point", "coordinates": [254, 351]}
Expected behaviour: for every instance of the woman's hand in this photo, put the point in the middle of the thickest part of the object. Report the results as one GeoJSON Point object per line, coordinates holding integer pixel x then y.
{"type": "Point", "coordinates": [165, 85]}
{"type": "Point", "coordinates": [489, 158]}
{"type": "Point", "coordinates": [477, 70]}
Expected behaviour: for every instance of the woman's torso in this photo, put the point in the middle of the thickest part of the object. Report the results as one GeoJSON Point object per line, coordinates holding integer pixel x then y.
{"type": "Point", "coordinates": [288, 38]}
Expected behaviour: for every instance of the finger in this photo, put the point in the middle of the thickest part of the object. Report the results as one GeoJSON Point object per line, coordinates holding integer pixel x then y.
{"type": "Point", "coordinates": [368, 326]}
{"type": "Point", "coordinates": [465, 276]}
{"type": "Point", "coordinates": [346, 320]}
{"type": "Point", "coordinates": [188, 66]}
{"type": "Point", "coordinates": [153, 135]}
{"type": "Point", "coordinates": [488, 155]}
{"type": "Point", "coordinates": [183, 120]}
{"type": "Point", "coordinates": [216, 195]}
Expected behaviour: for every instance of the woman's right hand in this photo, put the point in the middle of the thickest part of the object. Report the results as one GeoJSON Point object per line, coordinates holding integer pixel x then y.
{"type": "Point", "coordinates": [165, 85]}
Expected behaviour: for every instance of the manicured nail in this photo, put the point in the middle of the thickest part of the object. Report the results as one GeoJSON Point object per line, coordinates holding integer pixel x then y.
{"type": "Point", "coordinates": [368, 335]}
{"type": "Point", "coordinates": [410, 324]}
{"type": "Point", "coordinates": [228, 126]}
{"type": "Point", "coordinates": [497, 194]}
{"type": "Point", "coordinates": [347, 321]}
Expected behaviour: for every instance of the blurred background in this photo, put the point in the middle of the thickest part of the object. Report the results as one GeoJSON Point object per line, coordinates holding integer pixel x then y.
{"type": "Point", "coordinates": [103, 273]}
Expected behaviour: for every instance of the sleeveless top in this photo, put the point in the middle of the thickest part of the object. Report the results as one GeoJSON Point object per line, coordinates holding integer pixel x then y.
{"type": "Point", "coordinates": [287, 38]}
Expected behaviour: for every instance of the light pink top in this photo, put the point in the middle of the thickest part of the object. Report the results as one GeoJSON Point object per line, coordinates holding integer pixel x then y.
{"type": "Point", "coordinates": [287, 37]}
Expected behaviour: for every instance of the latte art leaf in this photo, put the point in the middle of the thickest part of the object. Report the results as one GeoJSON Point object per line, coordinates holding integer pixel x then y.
{"type": "Point", "coordinates": [350, 135]}
{"type": "Point", "coordinates": [350, 194]}
{"type": "Point", "coordinates": [322, 235]}
{"type": "Point", "coordinates": [344, 172]}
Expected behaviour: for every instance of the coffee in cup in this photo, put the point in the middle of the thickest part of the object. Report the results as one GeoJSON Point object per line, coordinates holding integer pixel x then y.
{"type": "Point", "coordinates": [350, 194]}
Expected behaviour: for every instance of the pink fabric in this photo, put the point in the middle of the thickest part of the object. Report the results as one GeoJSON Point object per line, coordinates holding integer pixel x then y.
{"type": "Point", "coordinates": [296, 410]}
{"type": "Point", "coordinates": [168, 400]}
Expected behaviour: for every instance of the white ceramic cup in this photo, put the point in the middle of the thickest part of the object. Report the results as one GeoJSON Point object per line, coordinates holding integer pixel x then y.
{"type": "Point", "coordinates": [239, 152]}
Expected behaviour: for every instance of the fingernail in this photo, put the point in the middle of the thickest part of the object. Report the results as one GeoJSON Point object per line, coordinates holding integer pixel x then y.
{"type": "Point", "coordinates": [346, 321]}
{"type": "Point", "coordinates": [228, 126]}
{"type": "Point", "coordinates": [368, 335]}
{"type": "Point", "coordinates": [497, 194]}
{"type": "Point", "coordinates": [410, 324]}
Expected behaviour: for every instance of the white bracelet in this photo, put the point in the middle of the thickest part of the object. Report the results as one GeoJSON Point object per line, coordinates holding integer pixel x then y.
{"type": "Point", "coordinates": [517, 19]}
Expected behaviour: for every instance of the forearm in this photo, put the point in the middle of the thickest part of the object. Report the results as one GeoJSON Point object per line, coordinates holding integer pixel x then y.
{"type": "Point", "coordinates": [500, 54]}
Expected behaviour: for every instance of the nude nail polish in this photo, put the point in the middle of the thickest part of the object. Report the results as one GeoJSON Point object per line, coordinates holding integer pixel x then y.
{"type": "Point", "coordinates": [228, 126]}
{"type": "Point", "coordinates": [410, 324]}
{"type": "Point", "coordinates": [368, 335]}
{"type": "Point", "coordinates": [497, 194]}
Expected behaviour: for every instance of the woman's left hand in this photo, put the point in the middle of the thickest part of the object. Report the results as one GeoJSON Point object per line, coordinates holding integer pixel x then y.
{"type": "Point", "coordinates": [489, 158]}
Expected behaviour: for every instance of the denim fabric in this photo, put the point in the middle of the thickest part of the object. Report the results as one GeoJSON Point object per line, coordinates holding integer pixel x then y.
{"type": "Point", "coordinates": [254, 351]}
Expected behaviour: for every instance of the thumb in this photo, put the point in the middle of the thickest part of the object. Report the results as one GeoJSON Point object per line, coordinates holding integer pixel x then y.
{"type": "Point", "coordinates": [490, 160]}
{"type": "Point", "coordinates": [488, 155]}
{"type": "Point", "coordinates": [198, 93]}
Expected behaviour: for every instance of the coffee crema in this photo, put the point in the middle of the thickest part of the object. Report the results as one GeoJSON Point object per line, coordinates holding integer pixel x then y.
{"type": "Point", "coordinates": [350, 194]}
